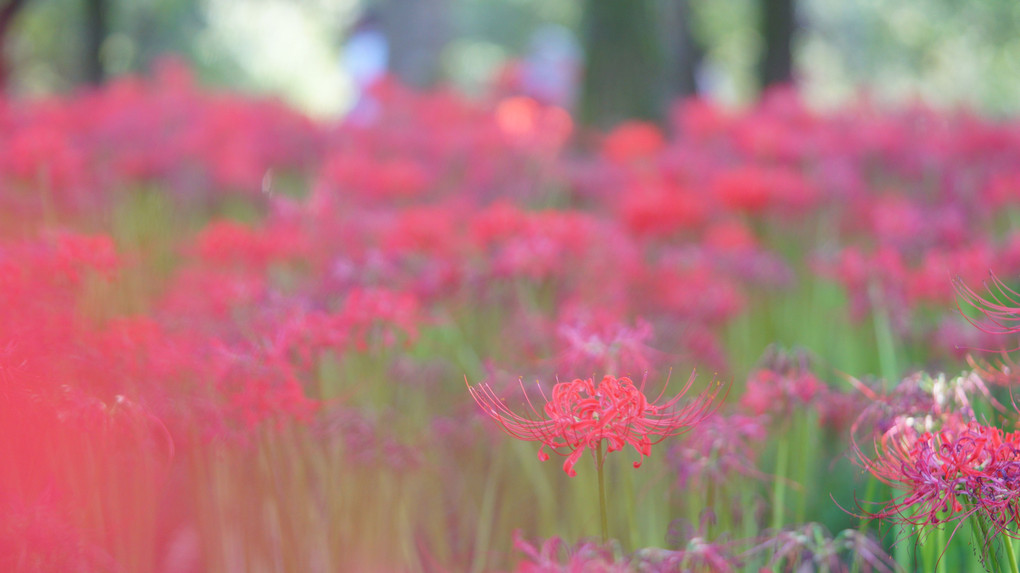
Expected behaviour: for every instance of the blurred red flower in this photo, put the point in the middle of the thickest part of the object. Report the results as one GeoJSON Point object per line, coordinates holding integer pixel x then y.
{"type": "Point", "coordinates": [631, 142]}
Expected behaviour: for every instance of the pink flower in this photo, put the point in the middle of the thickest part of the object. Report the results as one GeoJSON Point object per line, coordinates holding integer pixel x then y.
{"type": "Point", "coordinates": [582, 414]}
{"type": "Point", "coordinates": [597, 338]}
{"type": "Point", "coordinates": [555, 556]}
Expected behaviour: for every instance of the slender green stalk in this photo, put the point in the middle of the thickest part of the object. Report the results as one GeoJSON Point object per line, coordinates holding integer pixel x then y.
{"type": "Point", "coordinates": [638, 534]}
{"type": "Point", "coordinates": [888, 364]}
{"type": "Point", "coordinates": [747, 520]}
{"type": "Point", "coordinates": [599, 458]}
{"type": "Point", "coordinates": [928, 550]}
{"type": "Point", "coordinates": [870, 493]}
{"type": "Point", "coordinates": [803, 470]}
{"type": "Point", "coordinates": [486, 517]}
{"type": "Point", "coordinates": [902, 554]}
{"type": "Point", "coordinates": [940, 545]}
{"type": "Point", "coordinates": [779, 489]}
{"type": "Point", "coordinates": [1007, 542]}
{"type": "Point", "coordinates": [985, 544]}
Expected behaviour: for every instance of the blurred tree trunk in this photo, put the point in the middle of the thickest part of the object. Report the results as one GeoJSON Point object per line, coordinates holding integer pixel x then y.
{"type": "Point", "coordinates": [778, 21]}
{"type": "Point", "coordinates": [624, 62]}
{"type": "Point", "coordinates": [683, 54]}
{"type": "Point", "coordinates": [416, 32]}
{"type": "Point", "coordinates": [95, 34]}
{"type": "Point", "coordinates": [7, 14]}
{"type": "Point", "coordinates": [639, 56]}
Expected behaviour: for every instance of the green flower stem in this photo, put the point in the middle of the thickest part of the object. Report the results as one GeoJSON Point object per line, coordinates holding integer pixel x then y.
{"type": "Point", "coordinates": [486, 517]}
{"type": "Point", "coordinates": [902, 554]}
{"type": "Point", "coordinates": [940, 545]}
{"type": "Point", "coordinates": [1007, 542]}
{"type": "Point", "coordinates": [984, 543]}
{"type": "Point", "coordinates": [803, 426]}
{"type": "Point", "coordinates": [870, 493]}
{"type": "Point", "coordinates": [779, 489]}
{"type": "Point", "coordinates": [888, 364]}
{"type": "Point", "coordinates": [599, 458]}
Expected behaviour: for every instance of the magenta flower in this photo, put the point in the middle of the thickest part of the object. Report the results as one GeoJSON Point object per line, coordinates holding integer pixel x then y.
{"type": "Point", "coordinates": [582, 414]}
{"type": "Point", "coordinates": [950, 474]}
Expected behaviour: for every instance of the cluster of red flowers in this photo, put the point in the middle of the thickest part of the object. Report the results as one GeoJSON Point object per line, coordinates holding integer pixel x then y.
{"type": "Point", "coordinates": [179, 266]}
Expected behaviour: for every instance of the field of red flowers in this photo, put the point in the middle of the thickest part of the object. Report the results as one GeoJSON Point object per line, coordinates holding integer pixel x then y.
{"type": "Point", "coordinates": [236, 339]}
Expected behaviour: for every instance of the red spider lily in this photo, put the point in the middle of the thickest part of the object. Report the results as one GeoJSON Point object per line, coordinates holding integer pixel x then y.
{"type": "Point", "coordinates": [583, 413]}
{"type": "Point", "coordinates": [913, 462]}
{"type": "Point", "coordinates": [950, 474]}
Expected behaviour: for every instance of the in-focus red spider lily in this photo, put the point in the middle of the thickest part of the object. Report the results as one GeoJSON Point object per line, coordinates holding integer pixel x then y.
{"type": "Point", "coordinates": [948, 475]}
{"type": "Point", "coordinates": [581, 414]}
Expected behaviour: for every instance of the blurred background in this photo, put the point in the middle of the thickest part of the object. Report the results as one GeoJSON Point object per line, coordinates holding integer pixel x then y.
{"type": "Point", "coordinates": [230, 333]}
{"type": "Point", "coordinates": [638, 55]}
